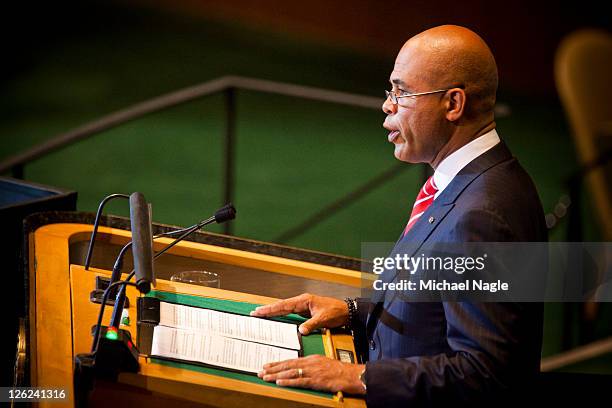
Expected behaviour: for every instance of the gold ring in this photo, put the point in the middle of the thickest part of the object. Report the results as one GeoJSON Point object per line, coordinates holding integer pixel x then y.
{"type": "Point", "coordinates": [300, 373]}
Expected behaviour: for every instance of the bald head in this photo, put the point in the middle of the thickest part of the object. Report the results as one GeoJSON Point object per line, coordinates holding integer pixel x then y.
{"type": "Point", "coordinates": [454, 56]}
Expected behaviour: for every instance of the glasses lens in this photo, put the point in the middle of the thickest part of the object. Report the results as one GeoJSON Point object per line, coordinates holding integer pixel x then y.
{"type": "Point", "coordinates": [392, 96]}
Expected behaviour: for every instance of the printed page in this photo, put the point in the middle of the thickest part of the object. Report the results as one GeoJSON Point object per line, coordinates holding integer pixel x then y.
{"type": "Point", "coordinates": [215, 350]}
{"type": "Point", "coordinates": [230, 325]}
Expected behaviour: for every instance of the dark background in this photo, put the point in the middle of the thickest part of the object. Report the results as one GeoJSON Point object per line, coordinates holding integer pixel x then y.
{"type": "Point", "coordinates": [69, 62]}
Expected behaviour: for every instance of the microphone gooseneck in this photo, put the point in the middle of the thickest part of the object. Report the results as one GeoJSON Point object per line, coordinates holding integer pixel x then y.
{"type": "Point", "coordinates": [225, 213]}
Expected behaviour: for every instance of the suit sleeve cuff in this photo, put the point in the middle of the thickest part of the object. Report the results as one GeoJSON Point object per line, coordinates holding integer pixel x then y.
{"type": "Point", "coordinates": [363, 307]}
{"type": "Point", "coordinates": [384, 392]}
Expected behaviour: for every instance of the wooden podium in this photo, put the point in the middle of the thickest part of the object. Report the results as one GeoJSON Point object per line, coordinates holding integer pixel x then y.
{"type": "Point", "coordinates": [61, 315]}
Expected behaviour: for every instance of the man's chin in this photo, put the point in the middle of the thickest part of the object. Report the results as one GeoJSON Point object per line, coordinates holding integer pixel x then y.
{"type": "Point", "coordinates": [401, 154]}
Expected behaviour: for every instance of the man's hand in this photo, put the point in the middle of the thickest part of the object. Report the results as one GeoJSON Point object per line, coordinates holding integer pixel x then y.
{"type": "Point", "coordinates": [317, 372]}
{"type": "Point", "coordinates": [323, 311]}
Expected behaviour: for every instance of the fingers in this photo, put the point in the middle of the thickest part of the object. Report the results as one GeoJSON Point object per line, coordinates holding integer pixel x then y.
{"type": "Point", "coordinates": [289, 378]}
{"type": "Point", "coordinates": [280, 308]}
{"type": "Point", "coordinates": [298, 304]}
{"type": "Point", "coordinates": [288, 374]}
{"type": "Point", "coordinates": [309, 325]}
{"type": "Point", "coordinates": [314, 371]}
{"type": "Point", "coordinates": [278, 366]}
{"type": "Point", "coordinates": [289, 365]}
{"type": "Point", "coordinates": [295, 382]}
{"type": "Point", "coordinates": [281, 371]}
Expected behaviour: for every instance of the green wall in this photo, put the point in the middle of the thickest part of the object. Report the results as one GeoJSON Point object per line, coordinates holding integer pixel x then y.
{"type": "Point", "coordinates": [292, 156]}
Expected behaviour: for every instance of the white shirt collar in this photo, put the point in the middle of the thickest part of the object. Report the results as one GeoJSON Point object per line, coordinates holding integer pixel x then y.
{"type": "Point", "coordinates": [453, 163]}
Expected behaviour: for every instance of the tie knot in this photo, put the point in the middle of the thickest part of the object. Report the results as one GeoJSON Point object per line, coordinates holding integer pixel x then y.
{"type": "Point", "coordinates": [429, 188]}
{"type": "Point", "coordinates": [423, 201]}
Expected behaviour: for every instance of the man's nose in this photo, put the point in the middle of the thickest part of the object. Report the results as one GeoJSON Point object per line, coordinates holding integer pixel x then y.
{"type": "Point", "coordinates": [388, 107]}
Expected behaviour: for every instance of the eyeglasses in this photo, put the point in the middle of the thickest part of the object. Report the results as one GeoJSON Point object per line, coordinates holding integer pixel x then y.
{"type": "Point", "coordinates": [394, 97]}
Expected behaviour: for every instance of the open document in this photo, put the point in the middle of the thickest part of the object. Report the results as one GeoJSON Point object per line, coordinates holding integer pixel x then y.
{"type": "Point", "coordinates": [227, 340]}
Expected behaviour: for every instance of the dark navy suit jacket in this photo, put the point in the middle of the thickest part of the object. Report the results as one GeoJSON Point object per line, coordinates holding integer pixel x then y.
{"type": "Point", "coordinates": [460, 353]}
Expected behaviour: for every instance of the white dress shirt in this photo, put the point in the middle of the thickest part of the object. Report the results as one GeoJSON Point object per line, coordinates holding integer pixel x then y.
{"type": "Point", "coordinates": [451, 165]}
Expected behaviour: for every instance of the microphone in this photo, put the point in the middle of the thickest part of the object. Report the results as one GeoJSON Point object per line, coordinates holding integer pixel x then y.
{"type": "Point", "coordinates": [142, 242]}
{"type": "Point", "coordinates": [225, 213]}
{"type": "Point", "coordinates": [115, 351]}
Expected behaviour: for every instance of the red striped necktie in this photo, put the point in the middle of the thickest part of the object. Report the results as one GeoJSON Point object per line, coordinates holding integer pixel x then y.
{"type": "Point", "coordinates": [423, 201]}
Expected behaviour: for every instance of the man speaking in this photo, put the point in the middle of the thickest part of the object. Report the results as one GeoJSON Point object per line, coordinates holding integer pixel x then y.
{"type": "Point", "coordinates": [439, 111]}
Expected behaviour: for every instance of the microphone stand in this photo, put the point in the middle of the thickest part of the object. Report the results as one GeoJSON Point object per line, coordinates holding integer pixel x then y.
{"type": "Point", "coordinates": [86, 369]}
{"type": "Point", "coordinates": [225, 213]}
{"type": "Point", "coordinates": [120, 299]}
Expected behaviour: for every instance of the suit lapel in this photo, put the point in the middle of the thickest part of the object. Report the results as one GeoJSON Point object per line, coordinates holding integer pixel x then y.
{"type": "Point", "coordinates": [497, 154]}
{"type": "Point", "coordinates": [434, 217]}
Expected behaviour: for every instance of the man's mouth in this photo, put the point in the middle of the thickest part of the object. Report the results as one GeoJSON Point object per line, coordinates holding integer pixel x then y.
{"type": "Point", "coordinates": [393, 136]}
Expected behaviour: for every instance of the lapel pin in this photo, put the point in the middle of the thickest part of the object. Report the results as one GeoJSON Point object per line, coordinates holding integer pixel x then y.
{"type": "Point", "coordinates": [431, 220]}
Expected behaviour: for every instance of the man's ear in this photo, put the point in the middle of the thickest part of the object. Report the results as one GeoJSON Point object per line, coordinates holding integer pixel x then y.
{"type": "Point", "coordinates": [455, 104]}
